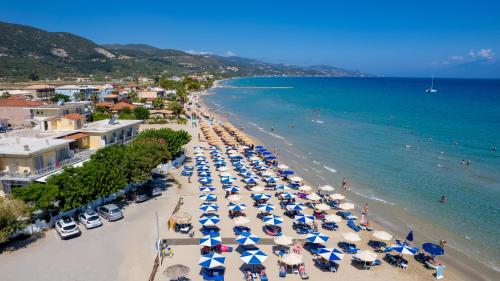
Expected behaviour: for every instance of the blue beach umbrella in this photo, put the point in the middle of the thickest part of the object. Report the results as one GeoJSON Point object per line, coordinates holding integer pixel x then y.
{"type": "Point", "coordinates": [207, 188]}
{"type": "Point", "coordinates": [249, 181]}
{"type": "Point", "coordinates": [283, 187]}
{"type": "Point", "coordinates": [204, 174]}
{"type": "Point", "coordinates": [227, 180]}
{"type": "Point", "coordinates": [266, 207]}
{"type": "Point", "coordinates": [246, 238]}
{"type": "Point", "coordinates": [317, 237]}
{"type": "Point", "coordinates": [209, 207]}
{"type": "Point", "coordinates": [270, 180]}
{"type": "Point", "coordinates": [208, 197]}
{"type": "Point", "coordinates": [304, 218]}
{"type": "Point", "coordinates": [261, 196]}
{"type": "Point", "coordinates": [288, 172]}
{"type": "Point", "coordinates": [409, 237]}
{"type": "Point", "coordinates": [253, 257]}
{"type": "Point", "coordinates": [210, 240]}
{"type": "Point", "coordinates": [209, 221]}
{"type": "Point", "coordinates": [237, 207]}
{"type": "Point", "coordinates": [266, 153]}
{"type": "Point", "coordinates": [404, 249]}
{"type": "Point", "coordinates": [288, 195]}
{"type": "Point", "coordinates": [331, 254]}
{"type": "Point", "coordinates": [433, 249]}
{"type": "Point", "coordinates": [205, 180]}
{"type": "Point", "coordinates": [212, 260]}
{"type": "Point", "coordinates": [296, 207]}
{"type": "Point", "coordinates": [261, 168]}
{"type": "Point", "coordinates": [273, 220]}
{"type": "Point", "coordinates": [232, 188]}
{"type": "Point", "coordinates": [271, 157]}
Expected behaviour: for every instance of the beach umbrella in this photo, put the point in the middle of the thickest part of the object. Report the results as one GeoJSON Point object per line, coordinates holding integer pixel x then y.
{"type": "Point", "coordinates": [317, 237]}
{"type": "Point", "coordinates": [332, 218]}
{"type": "Point", "coordinates": [225, 174]}
{"type": "Point", "coordinates": [283, 167]}
{"type": "Point", "coordinates": [326, 188]}
{"type": "Point", "coordinates": [254, 158]}
{"type": "Point", "coordinates": [210, 240]}
{"type": "Point", "coordinates": [305, 188]}
{"type": "Point", "coordinates": [283, 187]}
{"type": "Point", "coordinates": [296, 206]}
{"type": "Point", "coordinates": [366, 256]}
{"type": "Point", "coordinates": [249, 180]}
{"type": "Point", "coordinates": [337, 196]}
{"type": "Point", "coordinates": [313, 197]}
{"type": "Point", "coordinates": [283, 240]}
{"type": "Point", "coordinates": [205, 180]}
{"type": "Point", "coordinates": [176, 271]}
{"type": "Point", "coordinates": [404, 249]}
{"type": "Point", "coordinates": [232, 188]}
{"type": "Point", "coordinates": [247, 238]}
{"type": "Point", "coordinates": [287, 172]}
{"type": "Point", "coordinates": [331, 254]}
{"type": "Point", "coordinates": [268, 173]}
{"type": "Point", "coordinates": [234, 198]}
{"type": "Point", "coordinates": [208, 197]}
{"type": "Point", "coordinates": [259, 147]}
{"type": "Point", "coordinates": [266, 207]}
{"type": "Point", "coordinates": [351, 237]}
{"type": "Point", "coordinates": [288, 195]}
{"type": "Point", "coordinates": [209, 207]}
{"type": "Point", "coordinates": [304, 218]}
{"type": "Point", "coordinates": [296, 179]}
{"type": "Point", "coordinates": [321, 207]}
{"type": "Point", "coordinates": [209, 221]}
{"type": "Point", "coordinates": [207, 188]}
{"type": "Point", "coordinates": [212, 260]}
{"type": "Point", "coordinates": [261, 196]}
{"type": "Point", "coordinates": [261, 168]}
{"type": "Point", "coordinates": [273, 220]}
{"type": "Point", "coordinates": [253, 257]}
{"type": "Point", "coordinates": [292, 259]}
{"type": "Point", "coordinates": [222, 169]}
{"type": "Point", "coordinates": [182, 217]}
{"type": "Point", "coordinates": [346, 206]}
{"type": "Point", "coordinates": [241, 221]}
{"type": "Point", "coordinates": [271, 157]}
{"type": "Point", "coordinates": [204, 174]}
{"type": "Point", "coordinates": [382, 235]}
{"type": "Point", "coordinates": [237, 207]}
{"type": "Point", "coordinates": [228, 180]}
{"type": "Point", "coordinates": [409, 237]}
{"type": "Point", "coordinates": [433, 249]}
{"type": "Point", "coordinates": [267, 153]}
{"type": "Point", "coordinates": [258, 188]}
{"type": "Point", "coordinates": [270, 180]}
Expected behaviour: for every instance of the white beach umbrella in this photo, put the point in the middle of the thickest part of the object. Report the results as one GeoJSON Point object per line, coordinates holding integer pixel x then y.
{"type": "Point", "coordinates": [296, 179]}
{"type": "Point", "coordinates": [258, 188]}
{"type": "Point", "coordinates": [382, 235]}
{"type": "Point", "coordinates": [283, 240]}
{"type": "Point", "coordinates": [366, 255]}
{"type": "Point", "coordinates": [346, 206]}
{"type": "Point", "coordinates": [254, 158]}
{"type": "Point", "coordinates": [222, 169]}
{"type": "Point", "coordinates": [305, 188]}
{"type": "Point", "coordinates": [268, 173]}
{"type": "Point", "coordinates": [225, 174]}
{"type": "Point", "coordinates": [333, 218]}
{"type": "Point", "coordinates": [351, 237]}
{"type": "Point", "coordinates": [292, 259]}
{"type": "Point", "coordinates": [241, 221]}
{"type": "Point", "coordinates": [337, 196]}
{"type": "Point", "coordinates": [283, 167]}
{"type": "Point", "coordinates": [326, 188]}
{"type": "Point", "coordinates": [234, 198]}
{"type": "Point", "coordinates": [313, 197]}
{"type": "Point", "coordinates": [321, 207]}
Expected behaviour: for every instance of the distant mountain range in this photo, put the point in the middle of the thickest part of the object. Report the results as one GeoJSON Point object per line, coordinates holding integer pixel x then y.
{"type": "Point", "coordinates": [25, 50]}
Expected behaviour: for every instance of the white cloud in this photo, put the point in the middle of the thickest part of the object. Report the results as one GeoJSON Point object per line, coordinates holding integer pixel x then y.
{"type": "Point", "coordinates": [456, 58]}
{"type": "Point", "coordinates": [230, 54]}
{"type": "Point", "coordinates": [193, 52]}
{"type": "Point", "coordinates": [485, 53]}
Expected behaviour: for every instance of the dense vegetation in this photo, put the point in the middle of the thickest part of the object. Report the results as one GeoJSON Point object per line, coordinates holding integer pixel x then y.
{"type": "Point", "coordinates": [12, 214]}
{"type": "Point", "coordinates": [109, 170]}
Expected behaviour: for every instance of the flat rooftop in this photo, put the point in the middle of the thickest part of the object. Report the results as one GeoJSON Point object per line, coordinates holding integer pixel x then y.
{"type": "Point", "coordinates": [19, 146]}
{"type": "Point", "coordinates": [104, 126]}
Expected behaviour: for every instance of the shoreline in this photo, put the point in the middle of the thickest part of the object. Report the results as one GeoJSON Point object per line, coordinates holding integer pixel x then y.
{"type": "Point", "coordinates": [459, 265]}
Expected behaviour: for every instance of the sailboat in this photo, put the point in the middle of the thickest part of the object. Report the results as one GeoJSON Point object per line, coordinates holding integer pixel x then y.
{"type": "Point", "coordinates": [431, 90]}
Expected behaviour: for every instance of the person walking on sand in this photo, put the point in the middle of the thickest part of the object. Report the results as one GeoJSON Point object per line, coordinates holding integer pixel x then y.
{"type": "Point", "coordinates": [345, 183]}
{"type": "Point", "coordinates": [365, 208]}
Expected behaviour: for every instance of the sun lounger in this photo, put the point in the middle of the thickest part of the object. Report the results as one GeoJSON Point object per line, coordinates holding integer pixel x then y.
{"type": "Point", "coordinates": [263, 277]}
{"type": "Point", "coordinates": [282, 272]}
{"type": "Point", "coordinates": [329, 226]}
{"type": "Point", "coordinates": [303, 275]}
{"type": "Point", "coordinates": [213, 274]}
{"type": "Point", "coordinates": [352, 225]}
{"type": "Point", "coordinates": [348, 247]}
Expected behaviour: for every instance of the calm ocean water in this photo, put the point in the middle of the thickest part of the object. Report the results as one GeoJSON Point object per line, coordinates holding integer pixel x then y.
{"type": "Point", "coordinates": [399, 146]}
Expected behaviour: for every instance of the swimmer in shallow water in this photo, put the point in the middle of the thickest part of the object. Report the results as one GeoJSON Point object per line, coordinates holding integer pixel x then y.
{"type": "Point", "coordinates": [442, 200]}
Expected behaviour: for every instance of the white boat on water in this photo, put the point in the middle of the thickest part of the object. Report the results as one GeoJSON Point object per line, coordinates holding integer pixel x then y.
{"type": "Point", "coordinates": [431, 90]}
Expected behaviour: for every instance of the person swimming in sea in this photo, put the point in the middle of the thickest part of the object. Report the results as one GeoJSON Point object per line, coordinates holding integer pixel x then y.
{"type": "Point", "coordinates": [442, 200]}
{"type": "Point", "coordinates": [469, 162]}
{"type": "Point", "coordinates": [463, 161]}
{"type": "Point", "coordinates": [493, 148]}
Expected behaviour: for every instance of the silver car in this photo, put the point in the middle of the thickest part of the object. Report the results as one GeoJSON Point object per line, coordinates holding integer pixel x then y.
{"type": "Point", "coordinates": [111, 212]}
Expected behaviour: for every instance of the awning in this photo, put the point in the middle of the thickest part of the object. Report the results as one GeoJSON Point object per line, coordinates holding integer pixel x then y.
{"type": "Point", "coordinates": [76, 136]}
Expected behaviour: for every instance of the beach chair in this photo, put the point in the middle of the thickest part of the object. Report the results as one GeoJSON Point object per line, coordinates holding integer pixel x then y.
{"type": "Point", "coordinates": [238, 230]}
{"type": "Point", "coordinates": [213, 274]}
{"type": "Point", "coordinates": [303, 275]}
{"type": "Point", "coordinates": [282, 272]}
{"type": "Point", "coordinates": [263, 276]}
{"type": "Point", "coordinates": [354, 227]}
{"type": "Point", "coordinates": [329, 226]}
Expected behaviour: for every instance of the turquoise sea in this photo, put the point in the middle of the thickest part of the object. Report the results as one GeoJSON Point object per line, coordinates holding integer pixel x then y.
{"type": "Point", "coordinates": [400, 147]}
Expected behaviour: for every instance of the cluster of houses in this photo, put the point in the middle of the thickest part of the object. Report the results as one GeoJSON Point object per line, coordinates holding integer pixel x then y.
{"type": "Point", "coordinates": [39, 136]}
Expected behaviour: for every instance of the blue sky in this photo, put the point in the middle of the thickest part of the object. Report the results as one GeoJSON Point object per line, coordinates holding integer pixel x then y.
{"type": "Point", "coordinates": [393, 38]}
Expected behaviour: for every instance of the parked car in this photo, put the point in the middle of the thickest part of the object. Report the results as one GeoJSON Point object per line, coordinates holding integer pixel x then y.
{"type": "Point", "coordinates": [66, 227]}
{"type": "Point", "coordinates": [89, 219]}
{"type": "Point", "coordinates": [111, 212]}
{"type": "Point", "coordinates": [155, 191]}
{"type": "Point", "coordinates": [141, 197]}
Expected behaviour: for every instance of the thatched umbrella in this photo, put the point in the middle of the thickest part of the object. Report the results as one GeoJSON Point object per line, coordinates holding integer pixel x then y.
{"type": "Point", "coordinates": [176, 272]}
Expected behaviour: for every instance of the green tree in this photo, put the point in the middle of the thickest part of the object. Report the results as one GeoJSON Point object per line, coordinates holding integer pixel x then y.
{"type": "Point", "coordinates": [5, 95]}
{"type": "Point", "coordinates": [57, 97]}
{"type": "Point", "coordinates": [176, 108]}
{"type": "Point", "coordinates": [79, 96]}
{"type": "Point", "coordinates": [174, 140]}
{"type": "Point", "coordinates": [144, 155]}
{"type": "Point", "coordinates": [126, 114]}
{"type": "Point", "coordinates": [170, 84]}
{"type": "Point", "coordinates": [13, 215]}
{"type": "Point", "coordinates": [141, 113]}
{"type": "Point", "coordinates": [39, 196]}
{"type": "Point", "coordinates": [158, 103]}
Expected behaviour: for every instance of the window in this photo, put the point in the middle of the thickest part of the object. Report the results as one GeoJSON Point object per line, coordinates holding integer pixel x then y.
{"type": "Point", "coordinates": [38, 162]}
{"type": "Point", "coordinates": [62, 154]}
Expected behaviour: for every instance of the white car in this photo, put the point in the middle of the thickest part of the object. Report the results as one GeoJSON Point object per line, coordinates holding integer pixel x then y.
{"type": "Point", "coordinates": [66, 227]}
{"type": "Point", "coordinates": [90, 219]}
